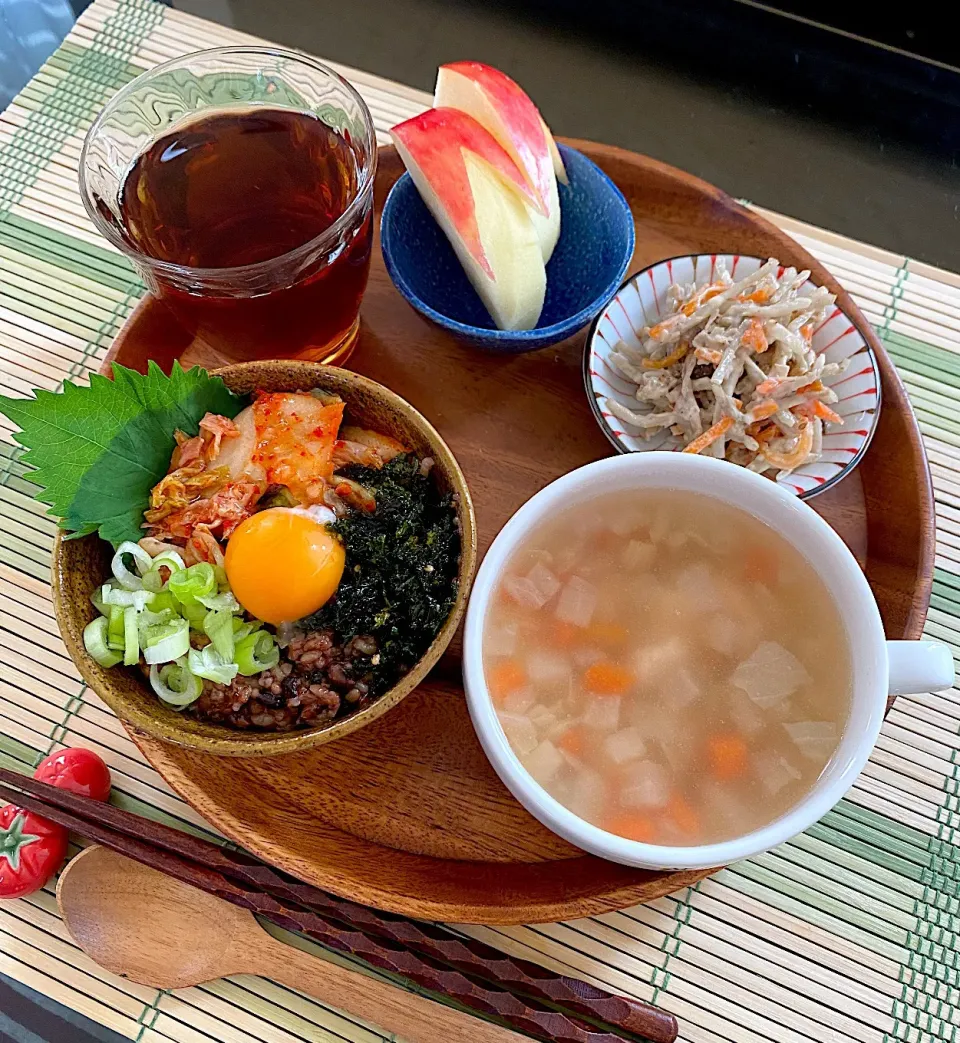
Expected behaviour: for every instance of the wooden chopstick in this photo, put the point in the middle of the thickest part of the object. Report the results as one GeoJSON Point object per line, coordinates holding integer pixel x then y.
{"type": "Point", "coordinates": [469, 956]}
{"type": "Point", "coordinates": [522, 994]}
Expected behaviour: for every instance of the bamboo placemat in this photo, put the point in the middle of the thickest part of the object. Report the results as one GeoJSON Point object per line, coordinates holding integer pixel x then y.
{"type": "Point", "coordinates": [847, 933]}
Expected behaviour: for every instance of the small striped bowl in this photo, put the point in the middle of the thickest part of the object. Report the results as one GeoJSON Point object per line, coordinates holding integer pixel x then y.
{"type": "Point", "coordinates": [642, 300]}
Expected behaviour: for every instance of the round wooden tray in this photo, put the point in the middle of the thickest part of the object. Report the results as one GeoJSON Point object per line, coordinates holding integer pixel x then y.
{"type": "Point", "coordinates": [407, 814]}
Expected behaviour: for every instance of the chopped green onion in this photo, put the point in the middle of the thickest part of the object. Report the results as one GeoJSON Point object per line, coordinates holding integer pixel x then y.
{"type": "Point", "coordinates": [241, 629]}
{"type": "Point", "coordinates": [163, 601]}
{"type": "Point", "coordinates": [192, 583]}
{"type": "Point", "coordinates": [169, 559]}
{"type": "Point", "coordinates": [131, 637]}
{"type": "Point", "coordinates": [153, 581]}
{"type": "Point", "coordinates": [152, 619]}
{"type": "Point", "coordinates": [175, 684]}
{"type": "Point", "coordinates": [95, 642]}
{"type": "Point", "coordinates": [127, 579]}
{"type": "Point", "coordinates": [115, 632]}
{"type": "Point", "coordinates": [98, 603]}
{"type": "Point", "coordinates": [256, 652]}
{"type": "Point", "coordinates": [143, 614]}
{"type": "Point", "coordinates": [207, 662]}
{"type": "Point", "coordinates": [139, 599]}
{"type": "Point", "coordinates": [218, 626]}
{"type": "Point", "coordinates": [165, 642]}
{"type": "Point", "coordinates": [195, 613]}
{"type": "Point", "coordinates": [224, 601]}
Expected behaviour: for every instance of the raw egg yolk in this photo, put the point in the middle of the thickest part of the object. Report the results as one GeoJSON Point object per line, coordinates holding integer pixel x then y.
{"type": "Point", "coordinates": [282, 564]}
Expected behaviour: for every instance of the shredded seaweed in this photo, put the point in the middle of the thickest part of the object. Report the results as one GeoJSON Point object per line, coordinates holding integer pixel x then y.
{"type": "Point", "coordinates": [400, 576]}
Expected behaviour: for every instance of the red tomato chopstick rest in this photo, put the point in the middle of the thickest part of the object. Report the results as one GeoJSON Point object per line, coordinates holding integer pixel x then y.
{"type": "Point", "coordinates": [76, 770]}
{"type": "Point", "coordinates": [32, 849]}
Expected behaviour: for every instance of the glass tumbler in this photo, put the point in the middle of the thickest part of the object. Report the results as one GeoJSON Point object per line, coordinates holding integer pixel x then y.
{"type": "Point", "coordinates": [304, 302]}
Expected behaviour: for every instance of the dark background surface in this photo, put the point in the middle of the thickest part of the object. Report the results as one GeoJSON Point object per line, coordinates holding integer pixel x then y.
{"type": "Point", "coordinates": [840, 132]}
{"type": "Point", "coordinates": [28, 1017]}
{"type": "Point", "coordinates": [853, 125]}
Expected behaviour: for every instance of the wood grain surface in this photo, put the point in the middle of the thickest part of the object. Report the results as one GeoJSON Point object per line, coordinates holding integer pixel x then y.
{"type": "Point", "coordinates": [406, 814]}
{"type": "Point", "coordinates": [161, 932]}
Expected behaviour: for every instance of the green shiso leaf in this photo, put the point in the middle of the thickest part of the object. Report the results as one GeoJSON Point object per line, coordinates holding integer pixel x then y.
{"type": "Point", "coordinates": [97, 450]}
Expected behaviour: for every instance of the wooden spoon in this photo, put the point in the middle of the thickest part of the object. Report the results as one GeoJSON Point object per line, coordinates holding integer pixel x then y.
{"type": "Point", "coordinates": [158, 931]}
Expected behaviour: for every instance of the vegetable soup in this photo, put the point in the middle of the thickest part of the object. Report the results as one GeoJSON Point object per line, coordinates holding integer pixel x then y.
{"type": "Point", "coordinates": [669, 669]}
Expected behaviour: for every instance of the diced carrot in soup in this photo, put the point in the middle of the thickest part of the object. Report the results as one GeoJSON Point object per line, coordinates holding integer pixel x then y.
{"type": "Point", "coordinates": [727, 754]}
{"type": "Point", "coordinates": [683, 816]}
{"type": "Point", "coordinates": [607, 678]}
{"type": "Point", "coordinates": [691, 660]}
{"type": "Point", "coordinates": [559, 634]}
{"type": "Point", "coordinates": [504, 678]}
{"type": "Point", "coordinates": [761, 563]}
{"type": "Point", "coordinates": [631, 825]}
{"type": "Point", "coordinates": [573, 740]}
{"type": "Point", "coordinates": [607, 633]}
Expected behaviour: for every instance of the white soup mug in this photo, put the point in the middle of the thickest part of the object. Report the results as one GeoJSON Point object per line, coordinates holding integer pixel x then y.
{"type": "Point", "coordinates": [880, 667]}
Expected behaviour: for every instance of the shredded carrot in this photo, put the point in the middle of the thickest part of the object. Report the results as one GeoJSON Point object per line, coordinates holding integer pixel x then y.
{"type": "Point", "coordinates": [815, 386]}
{"type": "Point", "coordinates": [668, 360]}
{"type": "Point", "coordinates": [709, 437]}
{"type": "Point", "coordinates": [822, 410]}
{"type": "Point", "coordinates": [664, 326]}
{"type": "Point", "coordinates": [763, 431]}
{"type": "Point", "coordinates": [761, 564]}
{"type": "Point", "coordinates": [760, 296]}
{"type": "Point", "coordinates": [701, 297]}
{"type": "Point", "coordinates": [768, 434]}
{"type": "Point", "coordinates": [573, 740]}
{"type": "Point", "coordinates": [504, 678]}
{"type": "Point", "coordinates": [788, 461]}
{"type": "Point", "coordinates": [755, 338]}
{"type": "Point", "coordinates": [709, 355]}
{"type": "Point", "coordinates": [768, 386]}
{"type": "Point", "coordinates": [605, 678]}
{"type": "Point", "coordinates": [764, 410]}
{"type": "Point", "coordinates": [727, 755]}
{"type": "Point", "coordinates": [683, 815]}
{"type": "Point", "coordinates": [607, 633]}
{"type": "Point", "coordinates": [631, 825]}
{"type": "Point", "coordinates": [806, 331]}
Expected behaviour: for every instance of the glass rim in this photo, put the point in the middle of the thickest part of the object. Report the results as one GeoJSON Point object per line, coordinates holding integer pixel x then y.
{"type": "Point", "coordinates": [329, 234]}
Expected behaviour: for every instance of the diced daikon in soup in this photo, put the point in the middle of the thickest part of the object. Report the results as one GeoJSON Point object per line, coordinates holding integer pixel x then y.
{"type": "Point", "coordinates": [667, 667]}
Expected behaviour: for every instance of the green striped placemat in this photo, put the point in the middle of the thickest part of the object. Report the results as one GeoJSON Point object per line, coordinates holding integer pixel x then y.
{"type": "Point", "coordinates": [847, 933]}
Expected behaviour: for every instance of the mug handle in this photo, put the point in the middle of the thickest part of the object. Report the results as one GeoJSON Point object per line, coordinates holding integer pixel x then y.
{"type": "Point", "coordinates": [919, 666]}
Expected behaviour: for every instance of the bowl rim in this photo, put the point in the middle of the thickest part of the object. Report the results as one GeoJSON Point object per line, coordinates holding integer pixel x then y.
{"type": "Point", "coordinates": [220, 739]}
{"type": "Point", "coordinates": [865, 634]}
{"type": "Point", "coordinates": [618, 445]}
{"type": "Point", "coordinates": [565, 327]}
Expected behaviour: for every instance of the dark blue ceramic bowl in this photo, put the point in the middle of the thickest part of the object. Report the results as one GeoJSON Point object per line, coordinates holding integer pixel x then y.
{"type": "Point", "coordinates": [585, 271]}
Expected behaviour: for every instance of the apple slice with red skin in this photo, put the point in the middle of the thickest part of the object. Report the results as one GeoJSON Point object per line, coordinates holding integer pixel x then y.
{"type": "Point", "coordinates": [504, 109]}
{"type": "Point", "coordinates": [483, 203]}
